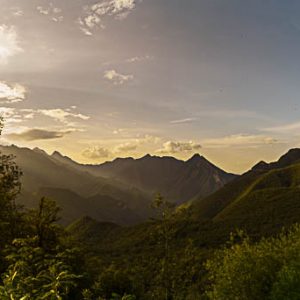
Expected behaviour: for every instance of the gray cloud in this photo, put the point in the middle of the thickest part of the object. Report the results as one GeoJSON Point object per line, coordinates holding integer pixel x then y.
{"type": "Point", "coordinates": [38, 134]}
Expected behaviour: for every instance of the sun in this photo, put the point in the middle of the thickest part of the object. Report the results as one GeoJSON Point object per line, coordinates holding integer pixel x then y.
{"type": "Point", "coordinates": [4, 53]}
{"type": "Point", "coordinates": [9, 44]}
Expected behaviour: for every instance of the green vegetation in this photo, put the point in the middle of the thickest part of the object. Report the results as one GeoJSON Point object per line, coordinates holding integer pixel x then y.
{"type": "Point", "coordinates": [269, 269]}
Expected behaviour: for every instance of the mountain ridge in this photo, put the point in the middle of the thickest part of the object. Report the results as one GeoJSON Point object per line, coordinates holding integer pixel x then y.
{"type": "Point", "coordinates": [132, 182]}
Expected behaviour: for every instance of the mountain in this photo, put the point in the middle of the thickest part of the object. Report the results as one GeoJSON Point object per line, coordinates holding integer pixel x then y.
{"type": "Point", "coordinates": [179, 181]}
{"type": "Point", "coordinates": [119, 191]}
{"type": "Point", "coordinates": [263, 199]}
{"type": "Point", "coordinates": [261, 202]}
{"type": "Point", "coordinates": [78, 192]}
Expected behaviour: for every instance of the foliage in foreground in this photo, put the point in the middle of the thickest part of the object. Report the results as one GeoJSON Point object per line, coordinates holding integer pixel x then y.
{"type": "Point", "coordinates": [269, 269]}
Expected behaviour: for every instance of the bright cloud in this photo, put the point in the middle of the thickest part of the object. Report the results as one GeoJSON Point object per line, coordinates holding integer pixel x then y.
{"type": "Point", "coordinates": [138, 58]}
{"type": "Point", "coordinates": [117, 78]}
{"type": "Point", "coordinates": [94, 14]}
{"type": "Point", "coordinates": [9, 43]}
{"type": "Point", "coordinates": [17, 12]}
{"type": "Point", "coordinates": [54, 13]}
{"type": "Point", "coordinates": [182, 121]}
{"type": "Point", "coordinates": [14, 115]}
{"type": "Point", "coordinates": [10, 115]}
{"type": "Point", "coordinates": [96, 152]}
{"type": "Point", "coordinates": [61, 115]}
{"type": "Point", "coordinates": [10, 93]}
{"type": "Point", "coordinates": [126, 147]}
{"type": "Point", "coordinates": [179, 147]}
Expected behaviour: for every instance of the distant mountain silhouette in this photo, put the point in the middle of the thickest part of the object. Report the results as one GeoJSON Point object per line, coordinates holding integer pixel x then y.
{"type": "Point", "coordinates": [177, 180]}
{"type": "Point", "coordinates": [77, 191]}
{"type": "Point", "coordinates": [291, 157]}
{"type": "Point", "coordinates": [119, 191]}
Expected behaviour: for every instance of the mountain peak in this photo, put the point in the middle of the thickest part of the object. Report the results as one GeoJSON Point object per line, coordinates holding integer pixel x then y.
{"type": "Point", "coordinates": [119, 159]}
{"type": "Point", "coordinates": [196, 157]}
{"type": "Point", "coordinates": [291, 157]}
{"type": "Point", "coordinates": [260, 166]}
{"type": "Point", "coordinates": [38, 150]}
{"type": "Point", "coordinates": [147, 156]}
{"type": "Point", "coordinates": [56, 153]}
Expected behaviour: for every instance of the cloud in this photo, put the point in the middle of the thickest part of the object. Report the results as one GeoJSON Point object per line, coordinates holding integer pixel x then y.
{"type": "Point", "coordinates": [96, 152]}
{"type": "Point", "coordinates": [239, 140]}
{"type": "Point", "coordinates": [138, 58]}
{"type": "Point", "coordinates": [117, 78]}
{"type": "Point", "coordinates": [9, 43]}
{"type": "Point", "coordinates": [10, 116]}
{"type": "Point", "coordinates": [38, 134]}
{"type": "Point", "coordinates": [10, 93]}
{"type": "Point", "coordinates": [126, 147]}
{"type": "Point", "coordinates": [94, 14]}
{"type": "Point", "coordinates": [182, 121]}
{"type": "Point", "coordinates": [14, 115]}
{"type": "Point", "coordinates": [149, 139]}
{"type": "Point", "coordinates": [284, 128]}
{"type": "Point", "coordinates": [17, 11]}
{"type": "Point", "coordinates": [179, 147]}
{"type": "Point", "coordinates": [54, 13]}
{"type": "Point", "coordinates": [61, 115]}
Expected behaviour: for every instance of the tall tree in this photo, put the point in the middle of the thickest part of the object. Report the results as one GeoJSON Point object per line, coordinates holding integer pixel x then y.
{"type": "Point", "coordinates": [10, 186]}
{"type": "Point", "coordinates": [165, 211]}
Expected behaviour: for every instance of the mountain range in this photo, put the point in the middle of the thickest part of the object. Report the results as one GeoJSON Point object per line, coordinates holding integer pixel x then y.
{"type": "Point", "coordinates": [178, 181]}
{"type": "Point", "coordinates": [260, 202]}
{"type": "Point", "coordinates": [119, 191]}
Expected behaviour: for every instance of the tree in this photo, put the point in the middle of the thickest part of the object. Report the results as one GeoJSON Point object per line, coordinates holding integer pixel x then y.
{"type": "Point", "coordinates": [43, 223]}
{"type": "Point", "coordinates": [112, 284]}
{"type": "Point", "coordinates": [35, 274]}
{"type": "Point", "coordinates": [269, 269]}
{"type": "Point", "coordinates": [10, 185]}
{"type": "Point", "coordinates": [165, 211]}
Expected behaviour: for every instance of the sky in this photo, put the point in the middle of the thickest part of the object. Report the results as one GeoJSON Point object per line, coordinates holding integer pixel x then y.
{"type": "Point", "coordinates": [101, 79]}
